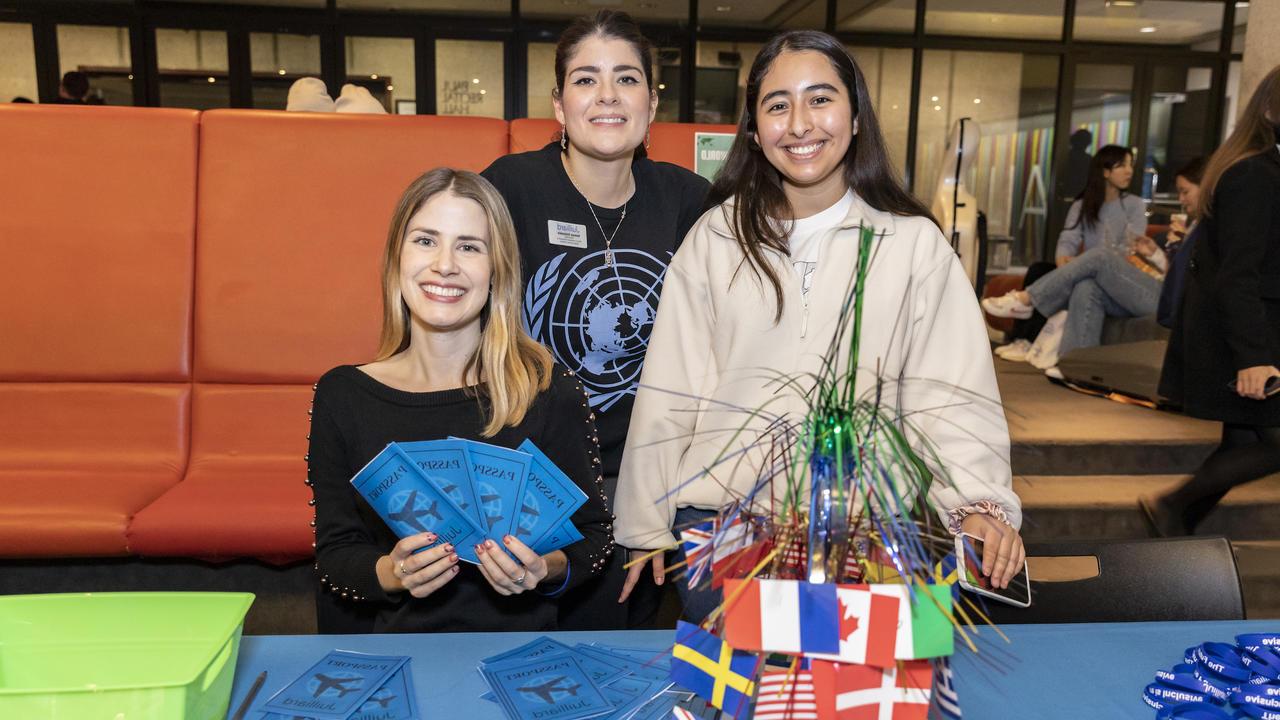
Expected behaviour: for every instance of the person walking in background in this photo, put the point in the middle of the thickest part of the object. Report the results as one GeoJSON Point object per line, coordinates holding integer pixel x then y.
{"type": "Point", "coordinates": [1223, 357]}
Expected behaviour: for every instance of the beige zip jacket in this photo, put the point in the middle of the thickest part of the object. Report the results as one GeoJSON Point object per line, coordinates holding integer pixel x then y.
{"type": "Point", "coordinates": [716, 355]}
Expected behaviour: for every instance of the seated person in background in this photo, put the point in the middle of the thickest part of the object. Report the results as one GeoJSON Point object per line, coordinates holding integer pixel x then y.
{"type": "Point", "coordinates": [453, 360]}
{"type": "Point", "coordinates": [1119, 272]}
{"type": "Point", "coordinates": [73, 89]}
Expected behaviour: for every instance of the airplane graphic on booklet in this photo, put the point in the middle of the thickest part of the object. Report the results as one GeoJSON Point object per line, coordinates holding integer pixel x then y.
{"type": "Point", "coordinates": [466, 491]}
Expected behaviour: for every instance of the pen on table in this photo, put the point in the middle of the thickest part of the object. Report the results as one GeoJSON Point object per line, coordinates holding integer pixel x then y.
{"type": "Point", "coordinates": [248, 699]}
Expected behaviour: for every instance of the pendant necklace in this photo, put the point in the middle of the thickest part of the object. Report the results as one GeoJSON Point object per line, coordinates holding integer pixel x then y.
{"type": "Point", "coordinates": [608, 237]}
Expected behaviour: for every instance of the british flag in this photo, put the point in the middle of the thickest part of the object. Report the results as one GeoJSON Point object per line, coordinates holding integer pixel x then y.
{"type": "Point", "coordinates": [696, 542]}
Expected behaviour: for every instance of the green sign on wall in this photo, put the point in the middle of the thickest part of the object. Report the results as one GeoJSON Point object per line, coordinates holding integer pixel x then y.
{"type": "Point", "coordinates": [709, 153]}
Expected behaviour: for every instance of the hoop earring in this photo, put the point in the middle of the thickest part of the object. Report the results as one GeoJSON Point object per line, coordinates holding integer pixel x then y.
{"type": "Point", "coordinates": [564, 138]}
{"type": "Point", "coordinates": [647, 135]}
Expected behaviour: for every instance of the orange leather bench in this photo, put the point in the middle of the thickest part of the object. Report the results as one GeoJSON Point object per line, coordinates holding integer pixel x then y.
{"type": "Point", "coordinates": [97, 218]}
{"type": "Point", "coordinates": [175, 282]}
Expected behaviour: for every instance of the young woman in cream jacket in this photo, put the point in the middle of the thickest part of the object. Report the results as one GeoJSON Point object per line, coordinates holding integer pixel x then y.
{"type": "Point", "coordinates": [750, 302]}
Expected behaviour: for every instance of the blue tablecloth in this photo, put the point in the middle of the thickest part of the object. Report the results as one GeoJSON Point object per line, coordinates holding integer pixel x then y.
{"type": "Point", "coordinates": [1083, 671]}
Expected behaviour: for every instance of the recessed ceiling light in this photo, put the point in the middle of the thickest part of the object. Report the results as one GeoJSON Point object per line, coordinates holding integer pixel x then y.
{"type": "Point", "coordinates": [281, 71]}
{"type": "Point", "coordinates": [934, 98]}
{"type": "Point", "coordinates": [937, 107]}
{"type": "Point", "coordinates": [391, 87]}
{"type": "Point", "coordinates": [662, 86]}
{"type": "Point", "coordinates": [1122, 3]}
{"type": "Point", "coordinates": [373, 76]}
{"type": "Point", "coordinates": [1242, 4]}
{"type": "Point", "coordinates": [475, 81]}
{"type": "Point", "coordinates": [484, 92]}
{"type": "Point", "coordinates": [895, 107]}
{"type": "Point", "coordinates": [1148, 29]}
{"type": "Point", "coordinates": [212, 80]}
{"type": "Point", "coordinates": [723, 8]}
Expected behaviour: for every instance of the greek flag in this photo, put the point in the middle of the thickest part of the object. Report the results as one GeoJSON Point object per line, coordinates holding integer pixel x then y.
{"type": "Point", "coordinates": [946, 703]}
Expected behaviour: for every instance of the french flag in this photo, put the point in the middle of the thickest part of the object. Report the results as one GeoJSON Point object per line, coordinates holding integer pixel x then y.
{"type": "Point", "coordinates": [849, 623]}
{"type": "Point", "coordinates": [785, 616]}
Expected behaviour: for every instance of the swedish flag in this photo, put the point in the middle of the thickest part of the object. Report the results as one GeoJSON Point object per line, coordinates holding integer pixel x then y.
{"type": "Point", "coordinates": [709, 667]}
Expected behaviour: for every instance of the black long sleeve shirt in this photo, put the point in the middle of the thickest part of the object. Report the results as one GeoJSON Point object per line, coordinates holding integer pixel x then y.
{"type": "Point", "coordinates": [354, 417]}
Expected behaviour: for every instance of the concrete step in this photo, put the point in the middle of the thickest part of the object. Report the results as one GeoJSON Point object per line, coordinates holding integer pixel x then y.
{"type": "Point", "coordinates": [1259, 564]}
{"type": "Point", "coordinates": [1057, 431]}
{"type": "Point", "coordinates": [1057, 507]}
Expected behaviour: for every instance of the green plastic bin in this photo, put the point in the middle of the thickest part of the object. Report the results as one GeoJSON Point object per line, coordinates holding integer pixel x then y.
{"type": "Point", "coordinates": [119, 656]}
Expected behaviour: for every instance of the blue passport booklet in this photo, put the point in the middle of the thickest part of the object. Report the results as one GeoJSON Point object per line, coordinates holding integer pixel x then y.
{"type": "Point", "coordinates": [562, 535]}
{"type": "Point", "coordinates": [499, 475]}
{"type": "Point", "coordinates": [336, 687]}
{"type": "Point", "coordinates": [393, 701]}
{"type": "Point", "coordinates": [410, 504]}
{"type": "Point", "coordinates": [550, 498]}
{"type": "Point", "coordinates": [445, 464]}
{"type": "Point", "coordinates": [551, 687]}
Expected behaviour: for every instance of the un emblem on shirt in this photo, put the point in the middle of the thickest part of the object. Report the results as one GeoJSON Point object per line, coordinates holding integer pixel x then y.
{"type": "Point", "coordinates": [597, 319]}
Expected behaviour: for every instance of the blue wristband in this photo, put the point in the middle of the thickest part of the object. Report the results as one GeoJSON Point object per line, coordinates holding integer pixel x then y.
{"type": "Point", "coordinates": [1250, 641]}
{"type": "Point", "coordinates": [1263, 661]}
{"type": "Point", "coordinates": [1184, 677]}
{"type": "Point", "coordinates": [1255, 701]}
{"type": "Point", "coordinates": [1254, 712]}
{"type": "Point", "coordinates": [1223, 661]}
{"type": "Point", "coordinates": [1166, 696]}
{"type": "Point", "coordinates": [1193, 711]}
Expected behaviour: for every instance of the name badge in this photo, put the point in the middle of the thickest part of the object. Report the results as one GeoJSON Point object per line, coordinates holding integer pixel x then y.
{"type": "Point", "coordinates": [567, 234]}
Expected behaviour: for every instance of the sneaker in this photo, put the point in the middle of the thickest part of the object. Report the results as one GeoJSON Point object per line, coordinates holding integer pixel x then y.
{"type": "Point", "coordinates": [1054, 373]}
{"type": "Point", "coordinates": [1015, 351]}
{"type": "Point", "coordinates": [1044, 351]}
{"type": "Point", "coordinates": [1007, 306]}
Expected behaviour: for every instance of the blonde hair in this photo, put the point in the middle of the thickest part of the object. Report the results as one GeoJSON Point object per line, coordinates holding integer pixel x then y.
{"type": "Point", "coordinates": [1254, 134]}
{"type": "Point", "coordinates": [512, 366]}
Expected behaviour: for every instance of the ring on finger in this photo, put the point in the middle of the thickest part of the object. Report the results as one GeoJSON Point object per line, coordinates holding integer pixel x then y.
{"type": "Point", "coordinates": [400, 568]}
{"type": "Point", "coordinates": [520, 580]}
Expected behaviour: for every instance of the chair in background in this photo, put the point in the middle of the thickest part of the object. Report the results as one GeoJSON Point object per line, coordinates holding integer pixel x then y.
{"type": "Point", "coordinates": [1192, 578]}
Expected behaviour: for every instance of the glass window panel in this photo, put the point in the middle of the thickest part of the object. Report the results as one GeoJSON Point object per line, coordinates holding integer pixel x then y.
{"type": "Point", "coordinates": [193, 68]}
{"type": "Point", "coordinates": [461, 7]}
{"type": "Point", "coordinates": [275, 3]}
{"type": "Point", "coordinates": [721, 82]}
{"type": "Point", "coordinates": [887, 72]}
{"type": "Point", "coordinates": [880, 16]}
{"type": "Point", "coordinates": [17, 62]}
{"type": "Point", "coordinates": [541, 80]}
{"type": "Point", "coordinates": [1241, 24]}
{"type": "Point", "coordinates": [668, 60]}
{"type": "Point", "coordinates": [1012, 98]}
{"type": "Point", "coordinates": [276, 60]}
{"type": "Point", "coordinates": [668, 11]}
{"type": "Point", "coordinates": [1041, 19]}
{"type": "Point", "coordinates": [1231, 103]}
{"type": "Point", "coordinates": [1101, 106]}
{"type": "Point", "coordinates": [1177, 124]}
{"type": "Point", "coordinates": [1154, 22]}
{"type": "Point", "coordinates": [749, 13]}
{"type": "Point", "coordinates": [386, 67]}
{"type": "Point", "coordinates": [469, 78]}
{"type": "Point", "coordinates": [101, 52]}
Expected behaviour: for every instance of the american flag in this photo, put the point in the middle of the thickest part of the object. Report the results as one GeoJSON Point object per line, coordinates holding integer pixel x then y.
{"type": "Point", "coordinates": [786, 695]}
{"type": "Point", "coordinates": [946, 703]}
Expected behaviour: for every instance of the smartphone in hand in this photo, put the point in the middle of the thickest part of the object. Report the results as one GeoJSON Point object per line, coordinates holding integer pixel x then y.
{"type": "Point", "coordinates": [969, 559]}
{"type": "Point", "coordinates": [1270, 389]}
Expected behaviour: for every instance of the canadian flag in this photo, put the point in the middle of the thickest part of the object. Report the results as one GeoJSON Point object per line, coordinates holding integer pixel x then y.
{"type": "Point", "coordinates": [863, 692]}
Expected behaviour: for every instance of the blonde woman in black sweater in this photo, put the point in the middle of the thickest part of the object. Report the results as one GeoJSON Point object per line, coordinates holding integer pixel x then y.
{"type": "Point", "coordinates": [453, 361]}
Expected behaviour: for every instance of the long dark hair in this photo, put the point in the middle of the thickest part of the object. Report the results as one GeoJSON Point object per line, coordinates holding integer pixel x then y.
{"type": "Point", "coordinates": [608, 25]}
{"type": "Point", "coordinates": [756, 185]}
{"type": "Point", "coordinates": [1254, 134]}
{"type": "Point", "coordinates": [1094, 194]}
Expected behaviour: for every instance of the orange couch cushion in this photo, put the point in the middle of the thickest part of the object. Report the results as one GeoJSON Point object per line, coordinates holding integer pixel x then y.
{"type": "Point", "coordinates": [292, 218]}
{"type": "Point", "coordinates": [668, 142]}
{"type": "Point", "coordinates": [79, 459]}
{"type": "Point", "coordinates": [97, 210]}
{"type": "Point", "coordinates": [244, 494]}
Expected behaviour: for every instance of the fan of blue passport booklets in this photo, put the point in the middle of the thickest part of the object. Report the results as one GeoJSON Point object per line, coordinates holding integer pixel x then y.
{"type": "Point", "coordinates": [466, 491]}
{"type": "Point", "coordinates": [1221, 680]}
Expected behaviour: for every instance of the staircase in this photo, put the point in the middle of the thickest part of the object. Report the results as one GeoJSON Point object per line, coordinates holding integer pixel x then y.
{"type": "Point", "coordinates": [1080, 463]}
